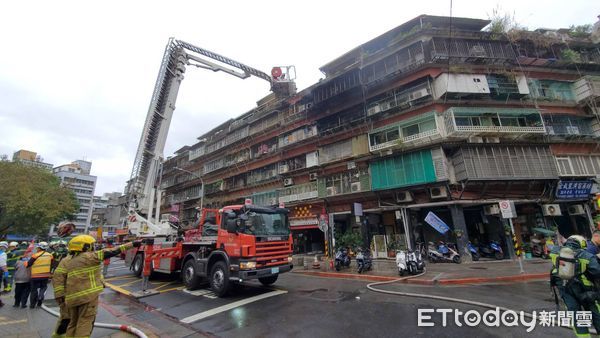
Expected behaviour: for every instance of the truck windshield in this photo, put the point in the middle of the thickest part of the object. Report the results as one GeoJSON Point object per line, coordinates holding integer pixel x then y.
{"type": "Point", "coordinates": [262, 224]}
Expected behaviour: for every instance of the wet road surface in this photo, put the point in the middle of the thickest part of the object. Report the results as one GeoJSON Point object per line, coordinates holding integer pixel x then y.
{"type": "Point", "coordinates": [307, 306]}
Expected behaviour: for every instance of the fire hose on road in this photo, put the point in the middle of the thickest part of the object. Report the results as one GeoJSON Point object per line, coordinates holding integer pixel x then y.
{"type": "Point", "coordinates": [124, 328]}
{"type": "Point", "coordinates": [448, 299]}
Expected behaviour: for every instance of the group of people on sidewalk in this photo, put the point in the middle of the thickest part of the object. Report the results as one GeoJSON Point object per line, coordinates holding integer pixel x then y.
{"type": "Point", "coordinates": [76, 279]}
{"type": "Point", "coordinates": [28, 266]}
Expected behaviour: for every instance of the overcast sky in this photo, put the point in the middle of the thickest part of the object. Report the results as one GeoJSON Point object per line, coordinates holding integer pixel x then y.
{"type": "Point", "coordinates": [76, 77]}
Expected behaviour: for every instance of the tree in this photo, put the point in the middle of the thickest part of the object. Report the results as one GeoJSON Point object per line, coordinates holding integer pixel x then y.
{"type": "Point", "coordinates": [31, 199]}
{"type": "Point", "coordinates": [501, 22]}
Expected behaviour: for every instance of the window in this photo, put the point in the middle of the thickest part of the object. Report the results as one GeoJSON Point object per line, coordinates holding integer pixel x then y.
{"type": "Point", "coordinates": [336, 151]}
{"type": "Point", "coordinates": [564, 165]}
{"type": "Point", "coordinates": [384, 136]}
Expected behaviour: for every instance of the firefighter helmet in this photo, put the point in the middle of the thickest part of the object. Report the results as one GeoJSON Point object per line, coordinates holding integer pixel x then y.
{"type": "Point", "coordinates": [81, 243]}
{"type": "Point", "coordinates": [43, 245]}
{"type": "Point", "coordinates": [578, 241]}
{"type": "Point", "coordinates": [4, 245]}
{"type": "Point", "coordinates": [13, 244]}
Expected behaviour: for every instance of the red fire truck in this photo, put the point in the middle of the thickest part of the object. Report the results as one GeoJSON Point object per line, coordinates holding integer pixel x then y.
{"type": "Point", "coordinates": [233, 244]}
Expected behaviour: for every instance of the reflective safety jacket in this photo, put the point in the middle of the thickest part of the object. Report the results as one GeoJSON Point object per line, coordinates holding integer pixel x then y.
{"type": "Point", "coordinates": [59, 277]}
{"type": "Point", "coordinates": [13, 257]}
{"type": "Point", "coordinates": [40, 263]}
{"type": "Point", "coordinates": [78, 277]}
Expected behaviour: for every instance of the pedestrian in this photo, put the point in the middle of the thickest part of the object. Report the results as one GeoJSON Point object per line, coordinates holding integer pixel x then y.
{"type": "Point", "coordinates": [40, 264]}
{"type": "Point", "coordinates": [22, 278]}
{"type": "Point", "coordinates": [3, 266]}
{"type": "Point", "coordinates": [574, 271]}
{"type": "Point", "coordinates": [77, 283]}
{"type": "Point", "coordinates": [593, 245]}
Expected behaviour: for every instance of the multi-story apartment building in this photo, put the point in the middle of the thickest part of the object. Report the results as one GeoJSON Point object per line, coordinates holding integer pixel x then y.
{"type": "Point", "coordinates": [76, 176]}
{"type": "Point", "coordinates": [32, 159]}
{"type": "Point", "coordinates": [436, 115]}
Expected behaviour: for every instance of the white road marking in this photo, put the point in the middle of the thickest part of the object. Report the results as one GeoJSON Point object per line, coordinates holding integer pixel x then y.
{"type": "Point", "coordinates": [204, 293]}
{"type": "Point", "coordinates": [230, 306]}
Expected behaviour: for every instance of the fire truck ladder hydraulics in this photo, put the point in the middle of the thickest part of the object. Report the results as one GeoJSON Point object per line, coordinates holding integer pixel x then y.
{"type": "Point", "coordinates": [178, 54]}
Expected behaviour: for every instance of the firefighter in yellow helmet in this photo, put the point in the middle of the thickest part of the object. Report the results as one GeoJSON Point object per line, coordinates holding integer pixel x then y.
{"type": "Point", "coordinates": [77, 283]}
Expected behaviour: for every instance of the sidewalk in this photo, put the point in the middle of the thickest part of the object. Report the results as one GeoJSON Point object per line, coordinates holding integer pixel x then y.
{"type": "Point", "coordinates": [443, 273]}
{"type": "Point", "coordinates": [113, 309]}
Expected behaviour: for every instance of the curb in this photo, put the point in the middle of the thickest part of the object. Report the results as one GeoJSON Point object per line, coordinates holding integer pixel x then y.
{"type": "Point", "coordinates": [431, 282]}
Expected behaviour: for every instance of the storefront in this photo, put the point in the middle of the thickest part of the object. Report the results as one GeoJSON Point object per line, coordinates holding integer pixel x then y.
{"type": "Point", "coordinates": [304, 224]}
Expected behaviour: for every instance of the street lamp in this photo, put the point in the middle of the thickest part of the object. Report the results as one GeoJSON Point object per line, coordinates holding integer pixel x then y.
{"type": "Point", "coordinates": [201, 181]}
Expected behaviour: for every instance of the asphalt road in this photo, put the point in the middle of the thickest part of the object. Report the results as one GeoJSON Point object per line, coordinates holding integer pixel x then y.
{"type": "Point", "coordinates": [307, 306]}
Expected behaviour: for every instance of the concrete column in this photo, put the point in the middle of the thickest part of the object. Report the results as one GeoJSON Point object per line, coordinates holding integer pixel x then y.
{"type": "Point", "coordinates": [458, 219]}
{"type": "Point", "coordinates": [508, 238]}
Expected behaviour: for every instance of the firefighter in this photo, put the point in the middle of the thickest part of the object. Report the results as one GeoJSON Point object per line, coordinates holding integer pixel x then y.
{"type": "Point", "coordinates": [40, 263]}
{"type": "Point", "coordinates": [13, 256]}
{"type": "Point", "coordinates": [574, 271]}
{"type": "Point", "coordinates": [77, 284]}
{"type": "Point", "coordinates": [59, 253]}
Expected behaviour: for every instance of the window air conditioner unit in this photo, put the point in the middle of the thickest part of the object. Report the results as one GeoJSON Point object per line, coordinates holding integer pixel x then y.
{"type": "Point", "coordinates": [493, 209]}
{"type": "Point", "coordinates": [383, 106]}
{"type": "Point", "coordinates": [475, 139]}
{"type": "Point", "coordinates": [551, 210]}
{"type": "Point", "coordinates": [576, 209]}
{"type": "Point", "coordinates": [288, 181]}
{"type": "Point", "coordinates": [313, 176]}
{"type": "Point", "coordinates": [330, 191]}
{"type": "Point", "coordinates": [438, 192]}
{"type": "Point", "coordinates": [403, 196]}
{"type": "Point", "coordinates": [373, 110]}
{"type": "Point", "coordinates": [355, 187]}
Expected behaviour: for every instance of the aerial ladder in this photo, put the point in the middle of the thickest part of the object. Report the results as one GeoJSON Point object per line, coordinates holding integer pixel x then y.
{"type": "Point", "coordinates": [143, 193]}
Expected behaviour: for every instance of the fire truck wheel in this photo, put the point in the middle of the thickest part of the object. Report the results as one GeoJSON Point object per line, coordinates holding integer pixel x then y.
{"type": "Point", "coordinates": [219, 278]}
{"type": "Point", "coordinates": [138, 265]}
{"type": "Point", "coordinates": [266, 281]}
{"type": "Point", "coordinates": [188, 274]}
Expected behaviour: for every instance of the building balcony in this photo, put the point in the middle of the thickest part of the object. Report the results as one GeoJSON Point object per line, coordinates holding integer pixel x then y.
{"type": "Point", "coordinates": [587, 88]}
{"type": "Point", "coordinates": [412, 132]}
{"type": "Point", "coordinates": [299, 192]}
{"type": "Point", "coordinates": [403, 99]}
{"type": "Point", "coordinates": [571, 126]}
{"type": "Point", "coordinates": [482, 121]}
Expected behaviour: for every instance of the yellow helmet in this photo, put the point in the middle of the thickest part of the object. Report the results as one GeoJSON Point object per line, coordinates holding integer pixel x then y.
{"type": "Point", "coordinates": [79, 242]}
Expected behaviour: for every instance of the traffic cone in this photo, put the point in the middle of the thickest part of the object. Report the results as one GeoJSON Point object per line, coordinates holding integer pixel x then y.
{"type": "Point", "coordinates": [316, 264]}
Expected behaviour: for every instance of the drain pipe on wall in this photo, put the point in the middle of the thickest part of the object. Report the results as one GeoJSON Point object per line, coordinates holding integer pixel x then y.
{"type": "Point", "coordinates": [124, 328]}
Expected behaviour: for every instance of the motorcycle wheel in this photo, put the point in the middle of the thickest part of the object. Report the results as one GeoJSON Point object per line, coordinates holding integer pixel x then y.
{"type": "Point", "coordinates": [456, 259]}
{"type": "Point", "coordinates": [475, 257]}
{"type": "Point", "coordinates": [498, 255]}
{"type": "Point", "coordinates": [401, 272]}
{"type": "Point", "coordinates": [337, 266]}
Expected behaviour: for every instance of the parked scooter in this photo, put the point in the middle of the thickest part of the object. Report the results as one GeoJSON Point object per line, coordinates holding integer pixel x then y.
{"type": "Point", "coordinates": [342, 259]}
{"type": "Point", "coordinates": [493, 249]}
{"type": "Point", "coordinates": [473, 251]}
{"type": "Point", "coordinates": [364, 261]}
{"type": "Point", "coordinates": [443, 253]}
{"type": "Point", "coordinates": [410, 262]}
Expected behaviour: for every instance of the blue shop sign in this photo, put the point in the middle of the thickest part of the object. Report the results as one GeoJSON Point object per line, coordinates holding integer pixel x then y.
{"type": "Point", "coordinates": [437, 223]}
{"type": "Point", "coordinates": [573, 189]}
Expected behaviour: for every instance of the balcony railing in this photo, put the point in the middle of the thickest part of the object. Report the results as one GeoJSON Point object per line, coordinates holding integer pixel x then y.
{"type": "Point", "coordinates": [462, 120]}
